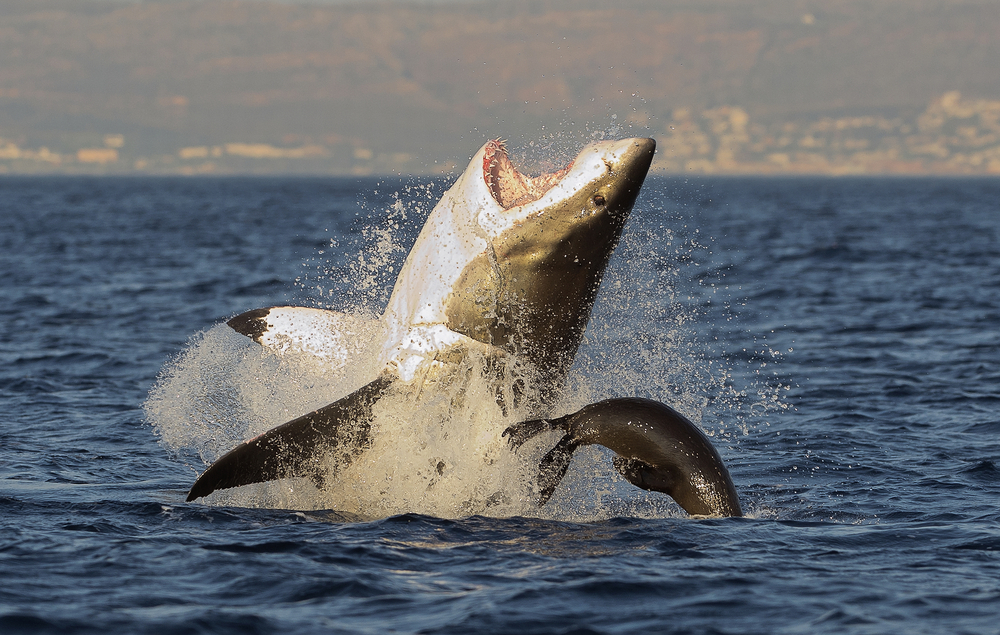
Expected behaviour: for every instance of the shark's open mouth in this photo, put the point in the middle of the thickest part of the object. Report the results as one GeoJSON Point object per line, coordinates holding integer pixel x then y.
{"type": "Point", "coordinates": [510, 188]}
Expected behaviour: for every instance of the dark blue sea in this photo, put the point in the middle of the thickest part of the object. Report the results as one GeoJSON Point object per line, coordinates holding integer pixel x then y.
{"type": "Point", "coordinates": [839, 339]}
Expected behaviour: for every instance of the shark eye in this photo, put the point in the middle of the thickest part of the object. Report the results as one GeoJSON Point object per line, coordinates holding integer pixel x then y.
{"type": "Point", "coordinates": [598, 199]}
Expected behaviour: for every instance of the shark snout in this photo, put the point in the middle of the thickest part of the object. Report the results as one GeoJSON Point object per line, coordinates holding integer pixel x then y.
{"type": "Point", "coordinates": [623, 167]}
{"type": "Point", "coordinates": [631, 156]}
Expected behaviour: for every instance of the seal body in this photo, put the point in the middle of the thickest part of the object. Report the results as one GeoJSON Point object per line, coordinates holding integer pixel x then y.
{"type": "Point", "coordinates": [656, 448]}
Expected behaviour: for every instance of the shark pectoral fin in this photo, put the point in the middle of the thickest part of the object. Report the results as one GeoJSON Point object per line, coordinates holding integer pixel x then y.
{"type": "Point", "coordinates": [253, 323]}
{"type": "Point", "coordinates": [297, 448]}
{"type": "Point", "coordinates": [553, 467]}
{"type": "Point", "coordinates": [332, 336]}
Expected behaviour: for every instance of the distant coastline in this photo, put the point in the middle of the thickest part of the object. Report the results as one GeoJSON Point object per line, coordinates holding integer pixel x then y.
{"type": "Point", "coordinates": [408, 87]}
{"type": "Point", "coordinates": [953, 136]}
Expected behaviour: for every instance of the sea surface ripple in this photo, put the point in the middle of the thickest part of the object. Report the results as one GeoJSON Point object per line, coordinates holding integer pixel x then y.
{"type": "Point", "coordinates": [843, 334]}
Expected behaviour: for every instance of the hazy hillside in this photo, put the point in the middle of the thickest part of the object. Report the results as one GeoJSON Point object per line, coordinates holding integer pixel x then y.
{"type": "Point", "coordinates": [254, 86]}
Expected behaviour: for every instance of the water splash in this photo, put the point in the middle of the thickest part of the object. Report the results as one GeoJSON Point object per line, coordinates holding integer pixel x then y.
{"type": "Point", "coordinates": [445, 455]}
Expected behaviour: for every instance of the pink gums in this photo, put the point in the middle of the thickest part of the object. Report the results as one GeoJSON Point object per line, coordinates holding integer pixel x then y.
{"type": "Point", "coordinates": [510, 188]}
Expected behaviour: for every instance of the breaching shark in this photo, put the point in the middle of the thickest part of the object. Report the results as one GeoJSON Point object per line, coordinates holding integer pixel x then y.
{"type": "Point", "coordinates": [506, 269]}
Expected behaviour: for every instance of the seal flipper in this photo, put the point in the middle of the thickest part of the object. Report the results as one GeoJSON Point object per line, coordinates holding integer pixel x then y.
{"type": "Point", "coordinates": [556, 462]}
{"type": "Point", "coordinates": [296, 448]}
{"type": "Point", "coordinates": [519, 433]}
{"type": "Point", "coordinates": [553, 467]}
{"type": "Point", "coordinates": [644, 476]}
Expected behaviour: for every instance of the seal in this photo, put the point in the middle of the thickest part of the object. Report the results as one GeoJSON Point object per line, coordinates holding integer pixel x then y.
{"type": "Point", "coordinates": [506, 269]}
{"type": "Point", "coordinates": [656, 448]}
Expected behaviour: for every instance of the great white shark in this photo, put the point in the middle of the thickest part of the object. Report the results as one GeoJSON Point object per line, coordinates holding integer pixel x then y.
{"type": "Point", "coordinates": [505, 270]}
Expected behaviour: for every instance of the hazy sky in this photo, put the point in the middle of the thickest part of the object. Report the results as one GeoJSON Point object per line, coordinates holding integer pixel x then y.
{"type": "Point", "coordinates": [412, 85]}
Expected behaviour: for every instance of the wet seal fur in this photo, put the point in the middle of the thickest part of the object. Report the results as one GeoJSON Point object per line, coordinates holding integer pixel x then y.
{"type": "Point", "coordinates": [656, 448]}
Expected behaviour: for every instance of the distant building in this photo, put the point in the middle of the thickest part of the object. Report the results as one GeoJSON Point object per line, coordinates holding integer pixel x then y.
{"type": "Point", "coordinates": [97, 155]}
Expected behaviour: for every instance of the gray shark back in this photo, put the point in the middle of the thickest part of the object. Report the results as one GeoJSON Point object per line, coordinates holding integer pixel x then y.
{"type": "Point", "coordinates": [532, 292]}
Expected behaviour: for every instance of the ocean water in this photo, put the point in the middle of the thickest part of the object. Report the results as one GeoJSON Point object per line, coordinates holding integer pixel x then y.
{"type": "Point", "coordinates": [839, 339]}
